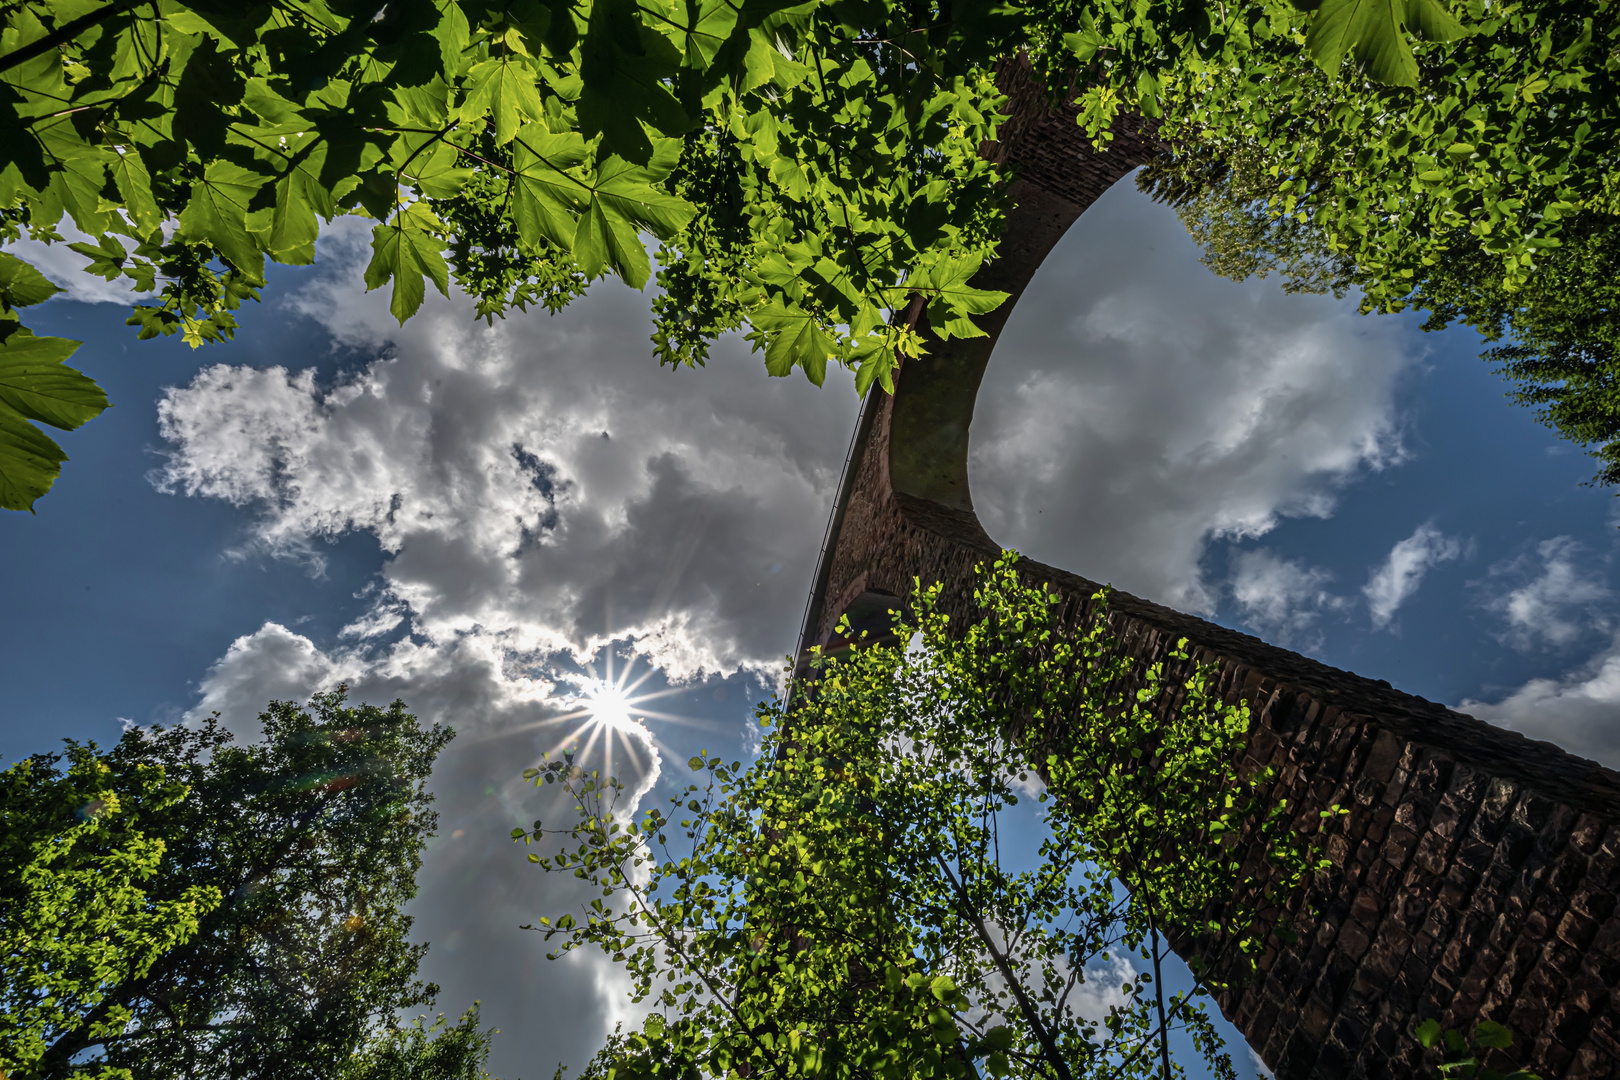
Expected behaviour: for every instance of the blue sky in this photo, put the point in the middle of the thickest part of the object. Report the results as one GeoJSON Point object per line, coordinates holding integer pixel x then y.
{"type": "Point", "coordinates": [462, 516]}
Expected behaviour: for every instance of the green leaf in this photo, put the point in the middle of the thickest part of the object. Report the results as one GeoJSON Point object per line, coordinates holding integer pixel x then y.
{"type": "Point", "coordinates": [405, 250]}
{"type": "Point", "coordinates": [548, 193]}
{"type": "Point", "coordinates": [793, 338]}
{"type": "Point", "coordinates": [1431, 19]}
{"type": "Point", "coordinates": [30, 462]}
{"type": "Point", "coordinates": [217, 214]}
{"type": "Point", "coordinates": [293, 225]}
{"type": "Point", "coordinates": [1428, 1033]}
{"type": "Point", "coordinates": [632, 191]}
{"type": "Point", "coordinates": [951, 300]}
{"type": "Point", "coordinates": [135, 186]}
{"type": "Point", "coordinates": [36, 385]}
{"type": "Point", "coordinates": [1371, 29]}
{"type": "Point", "coordinates": [607, 239]}
{"type": "Point", "coordinates": [623, 64]}
{"type": "Point", "coordinates": [437, 172]}
{"type": "Point", "coordinates": [504, 89]}
{"type": "Point", "coordinates": [21, 285]}
{"type": "Point", "coordinates": [1493, 1035]}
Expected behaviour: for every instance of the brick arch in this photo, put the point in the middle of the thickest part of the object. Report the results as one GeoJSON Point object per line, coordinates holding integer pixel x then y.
{"type": "Point", "coordinates": [1476, 875]}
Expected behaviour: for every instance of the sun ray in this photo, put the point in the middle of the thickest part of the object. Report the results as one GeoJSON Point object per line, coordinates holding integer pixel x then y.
{"type": "Point", "coordinates": [606, 708]}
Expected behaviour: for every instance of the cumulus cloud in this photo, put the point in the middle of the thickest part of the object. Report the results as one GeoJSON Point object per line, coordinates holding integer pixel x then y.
{"type": "Point", "coordinates": [1393, 583]}
{"type": "Point", "coordinates": [271, 664]}
{"type": "Point", "coordinates": [540, 492]}
{"type": "Point", "coordinates": [541, 483]}
{"type": "Point", "coordinates": [1580, 711]}
{"type": "Point", "coordinates": [1119, 443]}
{"type": "Point", "coordinates": [1557, 606]}
{"type": "Point", "coordinates": [1283, 597]}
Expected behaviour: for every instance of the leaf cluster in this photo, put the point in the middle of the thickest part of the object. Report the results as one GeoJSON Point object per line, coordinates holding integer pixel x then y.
{"type": "Point", "coordinates": [805, 169]}
{"type": "Point", "coordinates": [798, 163]}
{"type": "Point", "coordinates": [843, 906]}
{"type": "Point", "coordinates": [1500, 132]}
{"type": "Point", "coordinates": [257, 928]}
{"type": "Point", "coordinates": [1464, 1055]}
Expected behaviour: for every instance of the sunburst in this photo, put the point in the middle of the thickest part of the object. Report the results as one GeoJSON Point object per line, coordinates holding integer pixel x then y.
{"type": "Point", "coordinates": [609, 710]}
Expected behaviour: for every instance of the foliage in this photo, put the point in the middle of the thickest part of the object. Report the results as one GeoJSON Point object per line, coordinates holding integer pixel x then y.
{"type": "Point", "coordinates": [843, 907]}
{"type": "Point", "coordinates": [805, 167]}
{"type": "Point", "coordinates": [1223, 207]}
{"type": "Point", "coordinates": [422, 1051]}
{"type": "Point", "coordinates": [77, 916]}
{"type": "Point", "coordinates": [265, 935]}
{"type": "Point", "coordinates": [1507, 135]}
{"type": "Point", "coordinates": [1561, 331]}
{"type": "Point", "coordinates": [1463, 1056]}
{"type": "Point", "coordinates": [35, 385]}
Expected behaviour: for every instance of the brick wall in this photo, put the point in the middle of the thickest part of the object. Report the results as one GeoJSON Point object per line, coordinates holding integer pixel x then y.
{"type": "Point", "coordinates": [1475, 876]}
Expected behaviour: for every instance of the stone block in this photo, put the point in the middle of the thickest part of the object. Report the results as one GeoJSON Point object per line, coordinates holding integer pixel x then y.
{"type": "Point", "coordinates": [1569, 1024]}
{"type": "Point", "coordinates": [1315, 1018]}
{"type": "Point", "coordinates": [1498, 800]}
{"type": "Point", "coordinates": [1366, 909]}
{"type": "Point", "coordinates": [1577, 930]}
{"type": "Point", "coordinates": [1588, 834]}
{"type": "Point", "coordinates": [1532, 810]}
{"type": "Point", "coordinates": [1591, 1062]}
{"type": "Point", "coordinates": [1551, 1058]}
{"type": "Point", "coordinates": [1592, 901]}
{"type": "Point", "coordinates": [1353, 941]}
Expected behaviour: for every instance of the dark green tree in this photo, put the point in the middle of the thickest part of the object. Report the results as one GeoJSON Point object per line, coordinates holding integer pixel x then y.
{"type": "Point", "coordinates": [843, 908]}
{"type": "Point", "coordinates": [423, 1051]}
{"type": "Point", "coordinates": [251, 924]}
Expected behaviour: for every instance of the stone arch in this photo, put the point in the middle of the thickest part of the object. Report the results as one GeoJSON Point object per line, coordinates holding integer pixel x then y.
{"type": "Point", "coordinates": [1476, 874]}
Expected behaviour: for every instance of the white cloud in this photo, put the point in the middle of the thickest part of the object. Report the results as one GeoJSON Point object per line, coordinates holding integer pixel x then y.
{"type": "Point", "coordinates": [542, 484]}
{"type": "Point", "coordinates": [1579, 711]}
{"type": "Point", "coordinates": [1282, 596]}
{"type": "Point", "coordinates": [66, 269]}
{"type": "Point", "coordinates": [1139, 407]}
{"type": "Point", "coordinates": [1557, 606]}
{"type": "Point", "coordinates": [272, 663]}
{"type": "Point", "coordinates": [1102, 990]}
{"type": "Point", "coordinates": [1393, 583]}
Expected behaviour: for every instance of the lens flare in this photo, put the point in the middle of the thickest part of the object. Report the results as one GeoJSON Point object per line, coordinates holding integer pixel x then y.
{"type": "Point", "coordinates": [607, 705]}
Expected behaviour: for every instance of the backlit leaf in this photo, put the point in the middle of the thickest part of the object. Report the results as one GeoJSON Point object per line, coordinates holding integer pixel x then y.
{"type": "Point", "coordinates": [405, 251]}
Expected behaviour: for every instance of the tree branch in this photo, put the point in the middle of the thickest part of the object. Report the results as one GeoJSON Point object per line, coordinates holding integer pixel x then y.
{"type": "Point", "coordinates": [66, 33]}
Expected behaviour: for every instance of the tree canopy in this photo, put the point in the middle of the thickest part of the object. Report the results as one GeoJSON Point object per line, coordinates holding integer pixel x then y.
{"type": "Point", "coordinates": [845, 907]}
{"type": "Point", "coordinates": [183, 906]}
{"type": "Point", "coordinates": [804, 168]}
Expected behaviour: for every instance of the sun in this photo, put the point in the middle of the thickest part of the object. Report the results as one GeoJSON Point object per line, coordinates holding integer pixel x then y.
{"type": "Point", "coordinates": [606, 717]}
{"type": "Point", "coordinates": [606, 705]}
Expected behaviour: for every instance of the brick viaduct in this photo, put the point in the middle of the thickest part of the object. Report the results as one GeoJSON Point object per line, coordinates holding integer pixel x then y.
{"type": "Point", "coordinates": [1476, 875]}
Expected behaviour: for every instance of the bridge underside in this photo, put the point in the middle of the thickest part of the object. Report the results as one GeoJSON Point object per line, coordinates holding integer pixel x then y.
{"type": "Point", "coordinates": [1476, 874]}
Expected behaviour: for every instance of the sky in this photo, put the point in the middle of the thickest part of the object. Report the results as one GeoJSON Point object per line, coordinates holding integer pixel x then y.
{"type": "Point", "coordinates": [478, 518]}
